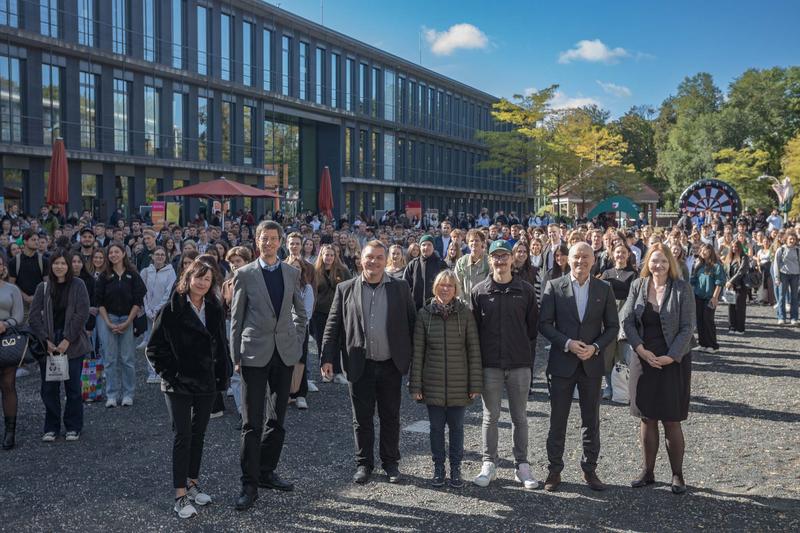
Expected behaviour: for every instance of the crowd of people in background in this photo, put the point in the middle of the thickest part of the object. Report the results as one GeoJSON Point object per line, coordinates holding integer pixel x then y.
{"type": "Point", "coordinates": [230, 309]}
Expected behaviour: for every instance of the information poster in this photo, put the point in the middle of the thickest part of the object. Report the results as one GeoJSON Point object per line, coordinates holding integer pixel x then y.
{"type": "Point", "coordinates": [173, 212]}
{"type": "Point", "coordinates": [158, 214]}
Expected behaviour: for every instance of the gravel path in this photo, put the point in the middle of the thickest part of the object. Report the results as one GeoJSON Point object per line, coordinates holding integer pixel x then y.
{"type": "Point", "coordinates": [742, 463]}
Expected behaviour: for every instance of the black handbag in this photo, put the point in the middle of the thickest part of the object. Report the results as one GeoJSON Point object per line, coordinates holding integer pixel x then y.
{"type": "Point", "coordinates": [15, 349]}
{"type": "Point", "coordinates": [139, 325]}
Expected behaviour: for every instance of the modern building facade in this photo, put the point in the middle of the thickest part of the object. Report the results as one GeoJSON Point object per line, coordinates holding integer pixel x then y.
{"type": "Point", "coordinates": [151, 95]}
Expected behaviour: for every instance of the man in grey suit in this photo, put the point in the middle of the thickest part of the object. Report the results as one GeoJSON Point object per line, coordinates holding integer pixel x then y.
{"type": "Point", "coordinates": [579, 318]}
{"type": "Point", "coordinates": [267, 330]}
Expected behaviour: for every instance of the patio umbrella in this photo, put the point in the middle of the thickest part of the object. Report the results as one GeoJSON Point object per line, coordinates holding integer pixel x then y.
{"type": "Point", "coordinates": [221, 189]}
{"type": "Point", "coordinates": [58, 188]}
{"type": "Point", "coordinates": [325, 198]}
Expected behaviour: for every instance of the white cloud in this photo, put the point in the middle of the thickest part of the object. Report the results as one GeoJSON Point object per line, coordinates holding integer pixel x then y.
{"type": "Point", "coordinates": [594, 51]}
{"type": "Point", "coordinates": [456, 37]}
{"type": "Point", "coordinates": [561, 100]}
{"type": "Point", "coordinates": [620, 91]}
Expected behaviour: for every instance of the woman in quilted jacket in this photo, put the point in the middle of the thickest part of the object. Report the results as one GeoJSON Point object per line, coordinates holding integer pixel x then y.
{"type": "Point", "coordinates": [446, 373]}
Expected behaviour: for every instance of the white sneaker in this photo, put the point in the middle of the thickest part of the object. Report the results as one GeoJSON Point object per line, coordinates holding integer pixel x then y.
{"type": "Point", "coordinates": [301, 403]}
{"type": "Point", "coordinates": [197, 496]}
{"type": "Point", "coordinates": [184, 507]}
{"type": "Point", "coordinates": [794, 322]}
{"type": "Point", "coordinates": [487, 475]}
{"type": "Point", "coordinates": [781, 322]}
{"type": "Point", "coordinates": [127, 401]}
{"type": "Point", "coordinates": [712, 350]}
{"type": "Point", "coordinates": [111, 402]}
{"type": "Point", "coordinates": [312, 387]}
{"type": "Point", "coordinates": [523, 475]}
{"type": "Point", "coordinates": [49, 437]}
{"type": "Point", "coordinates": [340, 379]}
{"type": "Point", "coordinates": [72, 436]}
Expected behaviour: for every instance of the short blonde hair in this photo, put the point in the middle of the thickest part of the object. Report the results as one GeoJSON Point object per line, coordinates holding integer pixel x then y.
{"type": "Point", "coordinates": [446, 275]}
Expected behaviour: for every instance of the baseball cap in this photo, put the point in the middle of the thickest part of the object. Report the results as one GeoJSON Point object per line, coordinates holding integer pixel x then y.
{"type": "Point", "coordinates": [500, 245]}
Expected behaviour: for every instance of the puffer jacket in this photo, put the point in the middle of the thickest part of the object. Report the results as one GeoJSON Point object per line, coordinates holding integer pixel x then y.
{"type": "Point", "coordinates": [159, 285]}
{"type": "Point", "coordinates": [447, 357]}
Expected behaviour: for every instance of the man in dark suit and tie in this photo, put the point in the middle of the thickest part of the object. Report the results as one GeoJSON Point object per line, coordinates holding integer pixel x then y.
{"type": "Point", "coordinates": [579, 317]}
{"type": "Point", "coordinates": [372, 318]}
{"type": "Point", "coordinates": [268, 321]}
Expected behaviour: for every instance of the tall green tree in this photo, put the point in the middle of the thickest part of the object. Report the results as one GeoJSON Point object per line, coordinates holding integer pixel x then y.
{"type": "Point", "coordinates": [638, 131]}
{"type": "Point", "coordinates": [740, 168]}
{"type": "Point", "coordinates": [791, 167]}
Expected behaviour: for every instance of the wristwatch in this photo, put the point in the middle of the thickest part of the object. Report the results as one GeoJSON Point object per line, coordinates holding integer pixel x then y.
{"type": "Point", "coordinates": [596, 348]}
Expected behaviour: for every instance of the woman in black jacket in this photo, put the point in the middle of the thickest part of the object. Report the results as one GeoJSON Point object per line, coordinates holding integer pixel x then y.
{"type": "Point", "coordinates": [737, 266]}
{"type": "Point", "coordinates": [188, 348]}
{"type": "Point", "coordinates": [58, 318]}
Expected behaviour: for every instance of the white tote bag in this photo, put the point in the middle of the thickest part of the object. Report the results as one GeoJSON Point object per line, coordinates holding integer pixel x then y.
{"type": "Point", "coordinates": [57, 367]}
{"type": "Point", "coordinates": [620, 375]}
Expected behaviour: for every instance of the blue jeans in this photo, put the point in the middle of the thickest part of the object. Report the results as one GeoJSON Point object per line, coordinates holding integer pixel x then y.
{"type": "Point", "coordinates": [119, 359]}
{"type": "Point", "coordinates": [51, 397]}
{"type": "Point", "coordinates": [788, 291]}
{"type": "Point", "coordinates": [454, 417]}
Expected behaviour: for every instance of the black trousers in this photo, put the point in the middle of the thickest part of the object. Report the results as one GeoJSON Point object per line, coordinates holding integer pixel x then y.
{"type": "Point", "coordinates": [302, 392]}
{"type": "Point", "coordinates": [379, 384]}
{"type": "Point", "coordinates": [317, 326]}
{"type": "Point", "coordinates": [561, 390]}
{"type": "Point", "coordinates": [262, 425]}
{"type": "Point", "coordinates": [189, 414]}
{"type": "Point", "coordinates": [738, 313]}
{"type": "Point", "coordinates": [706, 328]}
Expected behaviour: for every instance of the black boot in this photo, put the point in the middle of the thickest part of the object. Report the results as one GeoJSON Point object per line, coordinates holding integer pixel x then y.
{"type": "Point", "coordinates": [438, 475]}
{"type": "Point", "coordinates": [11, 429]}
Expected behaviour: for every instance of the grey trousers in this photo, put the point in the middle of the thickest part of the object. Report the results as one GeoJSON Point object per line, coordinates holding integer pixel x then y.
{"type": "Point", "coordinates": [516, 382]}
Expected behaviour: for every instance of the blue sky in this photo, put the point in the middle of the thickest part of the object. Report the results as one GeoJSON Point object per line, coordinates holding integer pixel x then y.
{"type": "Point", "coordinates": [613, 53]}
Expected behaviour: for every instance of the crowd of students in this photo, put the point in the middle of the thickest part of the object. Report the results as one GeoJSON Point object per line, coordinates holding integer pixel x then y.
{"type": "Point", "coordinates": [85, 288]}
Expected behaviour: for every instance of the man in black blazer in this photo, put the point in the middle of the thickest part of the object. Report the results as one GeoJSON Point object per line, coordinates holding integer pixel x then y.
{"type": "Point", "coordinates": [579, 318]}
{"type": "Point", "coordinates": [372, 318]}
{"type": "Point", "coordinates": [442, 242]}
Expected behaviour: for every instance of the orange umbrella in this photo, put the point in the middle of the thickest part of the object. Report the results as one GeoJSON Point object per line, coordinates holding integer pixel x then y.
{"type": "Point", "coordinates": [58, 186]}
{"type": "Point", "coordinates": [325, 198]}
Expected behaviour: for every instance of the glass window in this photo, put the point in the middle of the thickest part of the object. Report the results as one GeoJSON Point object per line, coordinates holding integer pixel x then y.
{"type": "Point", "coordinates": [121, 193]}
{"type": "Point", "coordinates": [119, 17]}
{"type": "Point", "coordinates": [10, 100]}
{"type": "Point", "coordinates": [348, 151]}
{"type": "Point", "coordinates": [88, 103]}
{"type": "Point", "coordinates": [88, 191]}
{"type": "Point", "coordinates": [305, 92]}
{"type": "Point", "coordinates": [320, 77]}
{"type": "Point", "coordinates": [120, 115]}
{"type": "Point", "coordinates": [248, 116]}
{"type": "Point", "coordinates": [225, 46]}
{"type": "Point", "coordinates": [177, 124]}
{"type": "Point", "coordinates": [152, 122]}
{"type": "Point", "coordinates": [388, 95]}
{"type": "Point", "coordinates": [363, 87]}
{"type": "Point", "coordinates": [412, 100]}
{"type": "Point", "coordinates": [373, 154]}
{"type": "Point", "coordinates": [9, 13]}
{"type": "Point", "coordinates": [388, 156]}
{"type": "Point", "coordinates": [51, 102]}
{"type": "Point", "coordinates": [267, 53]}
{"type": "Point", "coordinates": [48, 17]}
{"type": "Point", "coordinates": [202, 40]}
{"type": "Point", "coordinates": [421, 106]}
{"type": "Point", "coordinates": [401, 99]}
{"type": "Point", "coordinates": [362, 153]}
{"type": "Point", "coordinates": [431, 107]}
{"type": "Point", "coordinates": [177, 32]}
{"type": "Point", "coordinates": [282, 159]}
{"type": "Point", "coordinates": [336, 60]}
{"type": "Point", "coordinates": [247, 53]}
{"type": "Point", "coordinates": [227, 117]}
{"type": "Point", "coordinates": [349, 72]}
{"type": "Point", "coordinates": [286, 65]}
{"type": "Point", "coordinates": [151, 189]}
{"type": "Point", "coordinates": [203, 120]}
{"type": "Point", "coordinates": [150, 23]}
{"type": "Point", "coordinates": [373, 92]}
{"type": "Point", "coordinates": [85, 22]}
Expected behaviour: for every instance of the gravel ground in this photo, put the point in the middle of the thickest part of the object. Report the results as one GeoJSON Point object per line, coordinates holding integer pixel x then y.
{"type": "Point", "coordinates": [742, 463]}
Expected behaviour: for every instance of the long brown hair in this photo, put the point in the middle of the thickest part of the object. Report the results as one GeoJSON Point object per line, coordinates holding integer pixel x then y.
{"type": "Point", "coordinates": [198, 268]}
{"type": "Point", "coordinates": [337, 269]}
{"type": "Point", "coordinates": [126, 262]}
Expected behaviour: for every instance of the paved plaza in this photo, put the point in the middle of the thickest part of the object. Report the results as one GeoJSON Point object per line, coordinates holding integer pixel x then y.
{"type": "Point", "coordinates": [742, 463]}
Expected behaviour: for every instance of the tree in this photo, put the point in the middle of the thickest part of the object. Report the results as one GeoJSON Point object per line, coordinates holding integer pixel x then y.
{"type": "Point", "coordinates": [740, 168]}
{"type": "Point", "coordinates": [791, 168]}
{"type": "Point", "coordinates": [638, 131]}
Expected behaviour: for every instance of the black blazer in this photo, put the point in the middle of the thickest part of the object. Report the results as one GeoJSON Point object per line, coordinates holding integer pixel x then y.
{"type": "Point", "coordinates": [189, 357]}
{"type": "Point", "coordinates": [345, 326]}
{"type": "Point", "coordinates": [559, 322]}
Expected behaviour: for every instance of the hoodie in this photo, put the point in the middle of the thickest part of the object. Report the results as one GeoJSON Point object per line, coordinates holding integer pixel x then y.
{"type": "Point", "coordinates": [159, 285]}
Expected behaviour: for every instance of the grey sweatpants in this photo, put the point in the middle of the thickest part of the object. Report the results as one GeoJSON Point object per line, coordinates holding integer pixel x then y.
{"type": "Point", "coordinates": [516, 382]}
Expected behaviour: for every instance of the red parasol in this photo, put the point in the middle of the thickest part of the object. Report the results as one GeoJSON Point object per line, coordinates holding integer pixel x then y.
{"type": "Point", "coordinates": [58, 186]}
{"type": "Point", "coordinates": [325, 199]}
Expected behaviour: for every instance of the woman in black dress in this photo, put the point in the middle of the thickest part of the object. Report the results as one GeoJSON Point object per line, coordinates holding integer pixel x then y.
{"type": "Point", "coordinates": [659, 321]}
{"type": "Point", "coordinates": [620, 277]}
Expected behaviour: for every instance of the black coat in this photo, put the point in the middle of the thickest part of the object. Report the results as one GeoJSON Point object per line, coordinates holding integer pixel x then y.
{"type": "Point", "coordinates": [419, 275]}
{"type": "Point", "coordinates": [345, 327]}
{"type": "Point", "coordinates": [189, 357]}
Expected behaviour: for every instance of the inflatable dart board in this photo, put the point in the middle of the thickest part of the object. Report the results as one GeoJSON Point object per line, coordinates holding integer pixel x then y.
{"type": "Point", "coordinates": [711, 194]}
